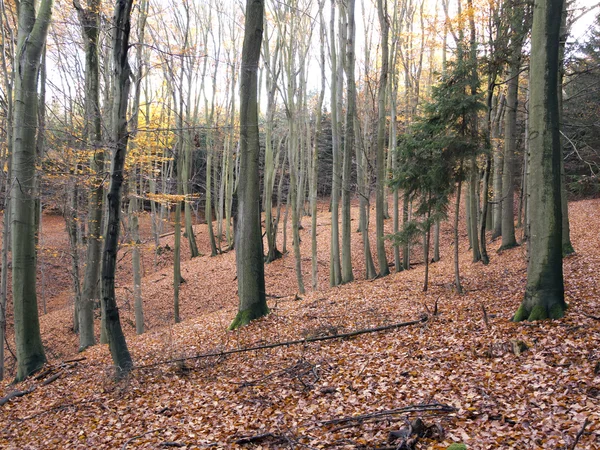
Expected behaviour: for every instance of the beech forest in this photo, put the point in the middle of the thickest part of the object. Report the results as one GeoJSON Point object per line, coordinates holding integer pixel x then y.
{"type": "Point", "coordinates": [300, 224]}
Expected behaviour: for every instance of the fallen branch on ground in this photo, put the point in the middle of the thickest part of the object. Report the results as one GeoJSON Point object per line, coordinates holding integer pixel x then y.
{"type": "Point", "coordinates": [286, 343]}
{"type": "Point", "coordinates": [54, 377]}
{"type": "Point", "coordinates": [429, 407]}
{"type": "Point", "coordinates": [15, 394]}
{"type": "Point", "coordinates": [591, 316]}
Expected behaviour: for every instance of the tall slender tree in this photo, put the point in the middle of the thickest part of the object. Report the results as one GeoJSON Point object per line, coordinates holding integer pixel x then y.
{"type": "Point", "coordinates": [89, 19]}
{"type": "Point", "coordinates": [518, 30]}
{"type": "Point", "coordinates": [383, 81]}
{"type": "Point", "coordinates": [249, 244]}
{"type": "Point", "coordinates": [349, 142]}
{"type": "Point", "coordinates": [119, 138]}
{"type": "Point", "coordinates": [335, 271]}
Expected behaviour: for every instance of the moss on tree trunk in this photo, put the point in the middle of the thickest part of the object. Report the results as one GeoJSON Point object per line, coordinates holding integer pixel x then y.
{"type": "Point", "coordinates": [544, 294]}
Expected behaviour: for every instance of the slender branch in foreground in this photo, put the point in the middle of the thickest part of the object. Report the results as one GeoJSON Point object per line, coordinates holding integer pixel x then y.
{"type": "Point", "coordinates": [585, 424]}
{"type": "Point", "coordinates": [428, 407]}
{"type": "Point", "coordinates": [286, 343]}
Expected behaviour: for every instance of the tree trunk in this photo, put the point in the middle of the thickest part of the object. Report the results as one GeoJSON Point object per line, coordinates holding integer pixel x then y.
{"type": "Point", "coordinates": [544, 294]}
{"type": "Point", "coordinates": [122, 73]}
{"type": "Point", "coordinates": [381, 178]}
{"type": "Point", "coordinates": [134, 207]}
{"type": "Point", "coordinates": [498, 164]}
{"type": "Point", "coordinates": [335, 271]}
{"type": "Point", "coordinates": [567, 246]}
{"type": "Point", "coordinates": [436, 241]}
{"type": "Point", "coordinates": [473, 207]}
{"type": "Point", "coordinates": [177, 256]}
{"type": "Point", "coordinates": [315, 153]}
{"type": "Point", "coordinates": [457, 283]}
{"type": "Point", "coordinates": [135, 261]}
{"type": "Point", "coordinates": [484, 210]}
{"type": "Point", "coordinates": [249, 250]}
{"type": "Point", "coordinates": [270, 161]}
{"type": "Point", "coordinates": [30, 42]}
{"type": "Point", "coordinates": [7, 158]}
{"type": "Point", "coordinates": [293, 158]}
{"type": "Point", "coordinates": [89, 20]}
{"type": "Point", "coordinates": [405, 218]}
{"type": "Point", "coordinates": [349, 143]}
{"type": "Point", "coordinates": [510, 142]}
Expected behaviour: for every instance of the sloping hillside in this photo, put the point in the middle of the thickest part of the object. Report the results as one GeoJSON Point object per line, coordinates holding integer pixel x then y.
{"type": "Point", "coordinates": [333, 393]}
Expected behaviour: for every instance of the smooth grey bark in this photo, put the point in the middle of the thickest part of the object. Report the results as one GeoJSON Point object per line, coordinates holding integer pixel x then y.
{"type": "Point", "coordinates": [7, 157]}
{"type": "Point", "coordinates": [119, 137]}
{"type": "Point", "coordinates": [293, 158]}
{"type": "Point", "coordinates": [71, 218]}
{"type": "Point", "coordinates": [89, 19]}
{"type": "Point", "coordinates": [567, 245]}
{"type": "Point", "coordinates": [473, 205]}
{"type": "Point", "coordinates": [474, 181]}
{"type": "Point", "coordinates": [484, 209]}
{"type": "Point", "coordinates": [436, 241]}
{"type": "Point", "coordinates": [349, 142]}
{"type": "Point", "coordinates": [31, 37]}
{"type": "Point", "coordinates": [40, 143]}
{"type": "Point", "coordinates": [364, 207]}
{"type": "Point", "coordinates": [498, 164]}
{"type": "Point", "coordinates": [273, 72]}
{"type": "Point", "coordinates": [363, 146]}
{"type": "Point", "coordinates": [249, 249]}
{"type": "Point", "coordinates": [134, 207]}
{"type": "Point", "coordinates": [177, 251]}
{"type": "Point", "coordinates": [457, 283]}
{"type": "Point", "coordinates": [315, 151]}
{"type": "Point", "coordinates": [187, 211]}
{"type": "Point", "coordinates": [228, 166]}
{"type": "Point", "coordinates": [510, 140]}
{"type": "Point", "coordinates": [381, 122]}
{"type": "Point", "coordinates": [335, 271]}
{"type": "Point", "coordinates": [405, 217]}
{"type": "Point", "coordinates": [392, 151]}
{"type": "Point", "coordinates": [135, 261]}
{"type": "Point", "coordinates": [544, 293]}
{"type": "Point", "coordinates": [210, 145]}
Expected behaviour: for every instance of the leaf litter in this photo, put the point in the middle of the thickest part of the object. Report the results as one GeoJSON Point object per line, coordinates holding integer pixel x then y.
{"type": "Point", "coordinates": [346, 393]}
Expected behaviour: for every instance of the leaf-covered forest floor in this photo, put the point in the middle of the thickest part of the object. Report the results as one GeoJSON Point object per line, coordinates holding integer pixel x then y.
{"type": "Point", "coordinates": [308, 395]}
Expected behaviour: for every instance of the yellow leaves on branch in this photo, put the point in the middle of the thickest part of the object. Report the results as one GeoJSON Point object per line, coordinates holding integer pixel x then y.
{"type": "Point", "coordinates": [170, 199]}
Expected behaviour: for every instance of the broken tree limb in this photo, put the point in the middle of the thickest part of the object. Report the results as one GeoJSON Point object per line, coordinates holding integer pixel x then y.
{"type": "Point", "coordinates": [286, 343]}
{"type": "Point", "coordinates": [54, 377]}
{"type": "Point", "coordinates": [15, 394]}
{"type": "Point", "coordinates": [429, 407]}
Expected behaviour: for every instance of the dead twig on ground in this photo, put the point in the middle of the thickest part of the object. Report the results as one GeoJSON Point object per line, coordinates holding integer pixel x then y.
{"type": "Point", "coordinates": [139, 436]}
{"type": "Point", "coordinates": [585, 424]}
{"type": "Point", "coordinates": [256, 438]}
